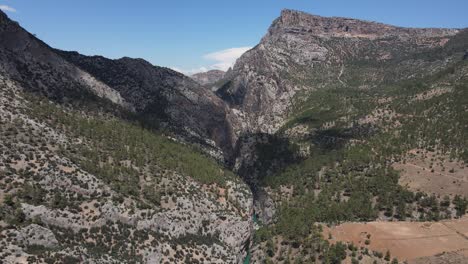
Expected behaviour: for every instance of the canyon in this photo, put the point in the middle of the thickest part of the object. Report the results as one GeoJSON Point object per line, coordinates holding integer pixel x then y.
{"type": "Point", "coordinates": [118, 160]}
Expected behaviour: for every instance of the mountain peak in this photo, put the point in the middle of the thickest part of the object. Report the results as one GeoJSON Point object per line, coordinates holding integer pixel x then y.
{"type": "Point", "coordinates": [293, 21]}
{"type": "Point", "coordinates": [291, 13]}
{"type": "Point", "coordinates": [294, 18]}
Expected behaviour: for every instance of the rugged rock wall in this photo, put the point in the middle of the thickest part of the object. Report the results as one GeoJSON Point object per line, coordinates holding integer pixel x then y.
{"type": "Point", "coordinates": [302, 53]}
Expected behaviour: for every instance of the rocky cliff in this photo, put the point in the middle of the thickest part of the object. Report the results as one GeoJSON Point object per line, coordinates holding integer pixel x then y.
{"type": "Point", "coordinates": [301, 53]}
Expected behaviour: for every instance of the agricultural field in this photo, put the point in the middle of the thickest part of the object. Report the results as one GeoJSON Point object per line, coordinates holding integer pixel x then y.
{"type": "Point", "coordinates": [406, 241]}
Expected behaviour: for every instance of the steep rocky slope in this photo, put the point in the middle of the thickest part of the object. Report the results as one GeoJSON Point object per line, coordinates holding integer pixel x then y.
{"type": "Point", "coordinates": [159, 96]}
{"type": "Point", "coordinates": [166, 98]}
{"type": "Point", "coordinates": [208, 78]}
{"type": "Point", "coordinates": [302, 53]}
{"type": "Point", "coordinates": [103, 190]}
{"type": "Point", "coordinates": [85, 176]}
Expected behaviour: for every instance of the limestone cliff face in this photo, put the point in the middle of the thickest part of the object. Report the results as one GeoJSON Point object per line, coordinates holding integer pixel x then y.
{"type": "Point", "coordinates": [298, 22]}
{"type": "Point", "coordinates": [302, 53]}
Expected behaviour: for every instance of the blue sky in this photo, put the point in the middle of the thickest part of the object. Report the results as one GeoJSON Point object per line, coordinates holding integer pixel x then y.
{"type": "Point", "coordinates": [195, 35]}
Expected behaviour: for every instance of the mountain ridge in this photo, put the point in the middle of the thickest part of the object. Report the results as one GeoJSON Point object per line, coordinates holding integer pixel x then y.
{"type": "Point", "coordinates": [167, 97]}
{"type": "Point", "coordinates": [289, 18]}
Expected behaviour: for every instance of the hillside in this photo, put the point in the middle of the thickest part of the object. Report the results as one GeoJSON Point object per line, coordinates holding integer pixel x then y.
{"type": "Point", "coordinates": [88, 174]}
{"type": "Point", "coordinates": [347, 121]}
{"type": "Point", "coordinates": [166, 99]}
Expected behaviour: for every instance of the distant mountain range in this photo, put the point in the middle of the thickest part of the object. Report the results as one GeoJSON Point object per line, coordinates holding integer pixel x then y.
{"type": "Point", "coordinates": [209, 77]}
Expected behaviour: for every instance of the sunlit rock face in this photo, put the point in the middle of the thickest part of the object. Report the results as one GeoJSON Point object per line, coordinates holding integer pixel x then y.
{"type": "Point", "coordinates": [302, 53]}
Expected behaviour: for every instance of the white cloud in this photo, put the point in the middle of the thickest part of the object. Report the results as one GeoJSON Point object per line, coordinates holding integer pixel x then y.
{"type": "Point", "coordinates": [7, 8]}
{"type": "Point", "coordinates": [190, 71]}
{"type": "Point", "coordinates": [225, 58]}
{"type": "Point", "coordinates": [221, 60]}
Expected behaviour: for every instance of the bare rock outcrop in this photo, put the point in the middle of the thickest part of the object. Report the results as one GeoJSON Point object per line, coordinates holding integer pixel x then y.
{"type": "Point", "coordinates": [36, 235]}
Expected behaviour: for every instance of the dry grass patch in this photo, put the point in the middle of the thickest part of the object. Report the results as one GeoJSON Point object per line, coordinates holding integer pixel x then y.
{"type": "Point", "coordinates": [432, 173]}
{"type": "Point", "coordinates": [404, 240]}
